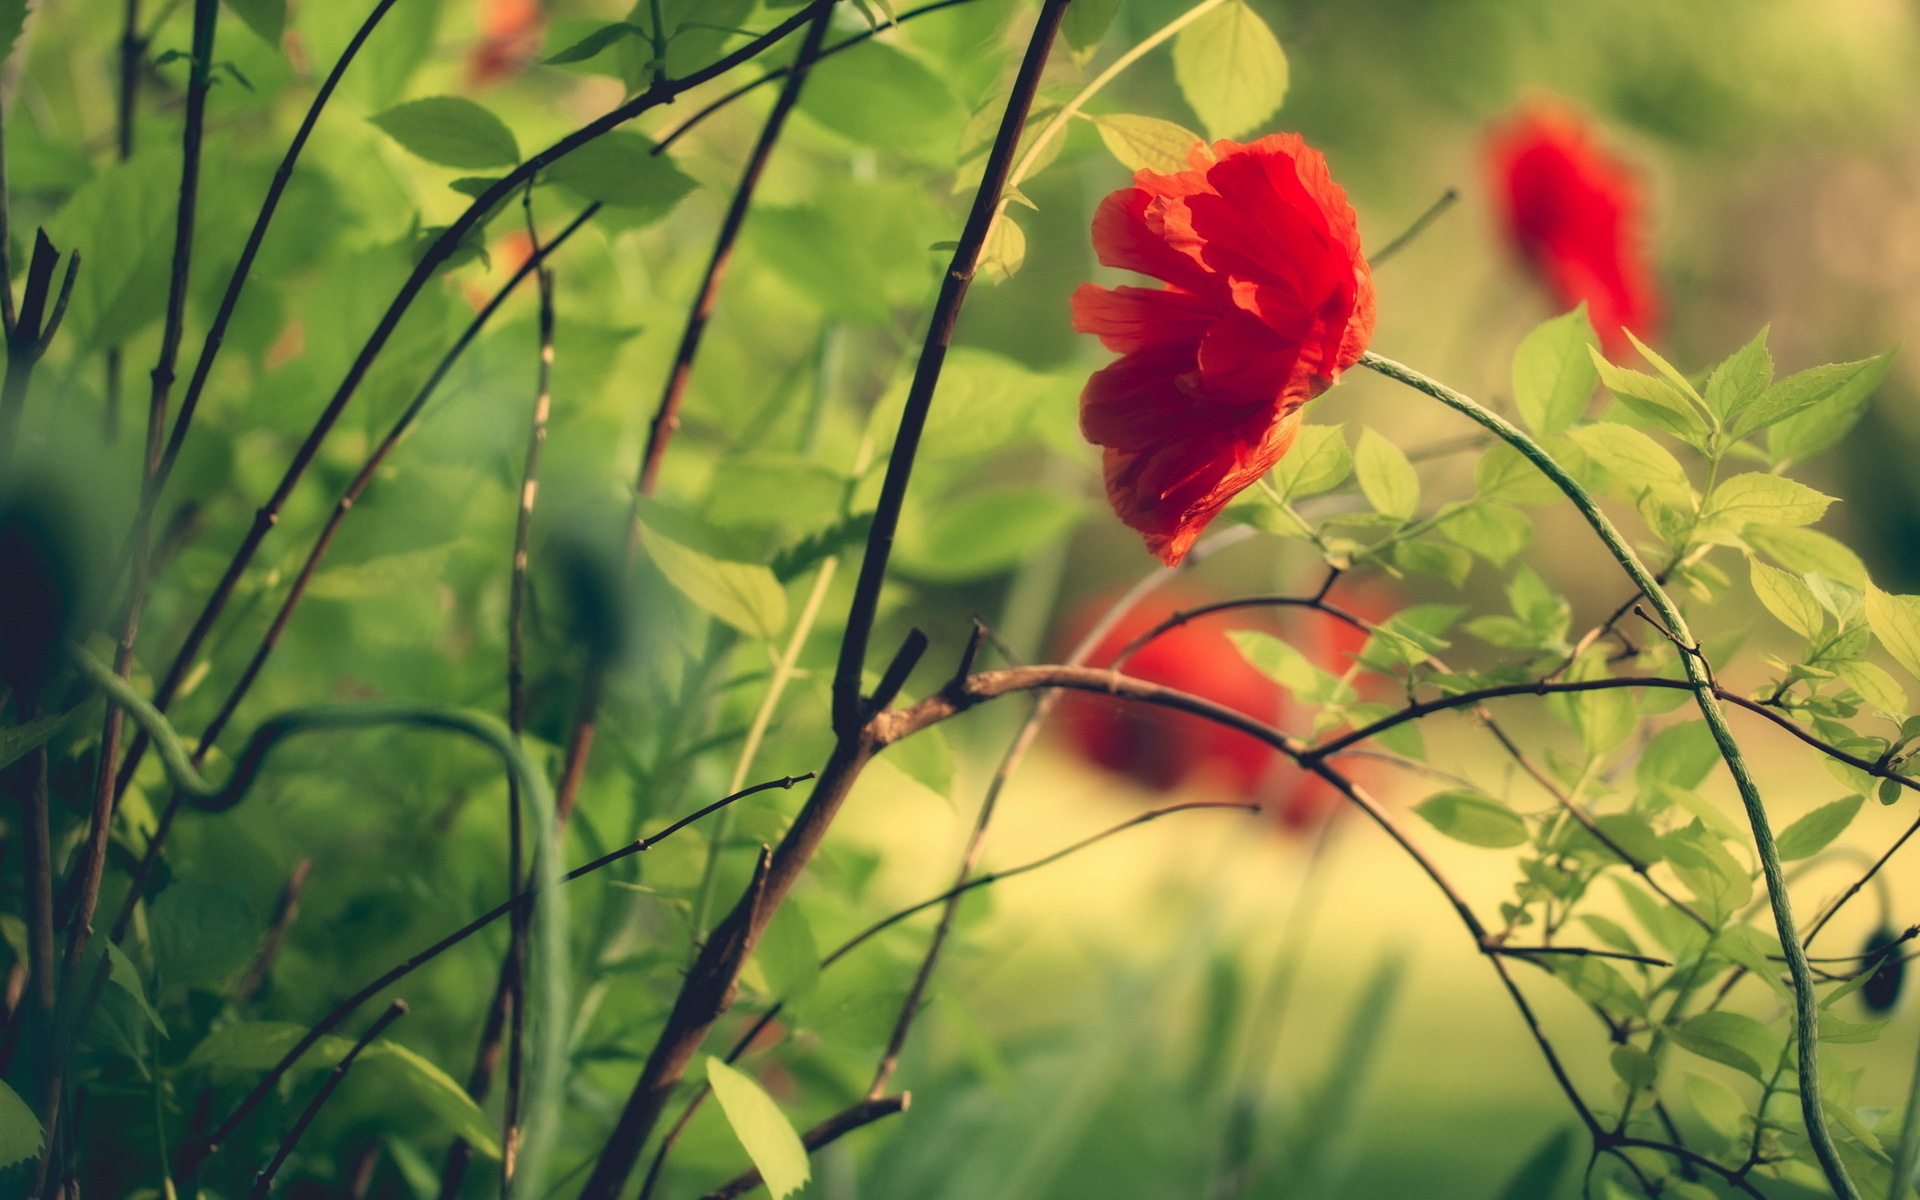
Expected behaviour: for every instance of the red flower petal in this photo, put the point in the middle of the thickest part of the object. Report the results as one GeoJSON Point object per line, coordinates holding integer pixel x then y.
{"type": "Point", "coordinates": [1132, 318]}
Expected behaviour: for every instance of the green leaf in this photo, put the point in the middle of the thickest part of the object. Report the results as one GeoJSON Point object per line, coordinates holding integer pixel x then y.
{"type": "Point", "coordinates": [1318, 460]}
{"type": "Point", "coordinates": [1474, 818]}
{"type": "Point", "coordinates": [428, 1087]}
{"type": "Point", "coordinates": [383, 576]}
{"type": "Point", "coordinates": [1896, 623]}
{"type": "Point", "coordinates": [20, 1134]}
{"type": "Point", "coordinates": [1086, 23]}
{"type": "Point", "coordinates": [1680, 756]}
{"type": "Point", "coordinates": [1875, 686]}
{"type": "Point", "coordinates": [1147, 143]}
{"type": "Point", "coordinates": [1808, 552]}
{"type": "Point", "coordinates": [1810, 834]}
{"type": "Point", "coordinates": [268, 18]}
{"type": "Point", "coordinates": [121, 223]}
{"type": "Point", "coordinates": [125, 976]}
{"type": "Point", "coordinates": [1504, 474]}
{"type": "Point", "coordinates": [1004, 252]}
{"type": "Point", "coordinates": [1635, 1067]}
{"type": "Point", "coordinates": [1386, 477]}
{"type": "Point", "coordinates": [764, 1131]}
{"type": "Point", "coordinates": [1841, 1032]}
{"type": "Point", "coordinates": [1734, 1039]}
{"type": "Point", "coordinates": [1598, 981]}
{"type": "Point", "coordinates": [882, 97]}
{"type": "Point", "coordinates": [1788, 599]}
{"type": "Point", "coordinates": [986, 533]}
{"type": "Point", "coordinates": [1739, 381]}
{"type": "Point", "coordinates": [1652, 399]}
{"type": "Point", "coordinates": [16, 741]}
{"type": "Point", "coordinates": [13, 19]}
{"type": "Point", "coordinates": [1553, 372]}
{"type": "Point", "coordinates": [1704, 865]}
{"type": "Point", "coordinates": [1287, 666]}
{"type": "Point", "coordinates": [1816, 407]}
{"type": "Point", "coordinates": [1231, 69]}
{"type": "Point", "coordinates": [260, 1045]}
{"type": "Point", "coordinates": [743, 595]}
{"type": "Point", "coordinates": [596, 42]}
{"type": "Point", "coordinates": [788, 954]}
{"type": "Point", "coordinates": [452, 132]}
{"type": "Point", "coordinates": [1761, 499]}
{"type": "Point", "coordinates": [1637, 461]}
{"type": "Point", "coordinates": [621, 169]}
{"type": "Point", "coordinates": [1494, 531]}
{"type": "Point", "coordinates": [1450, 563]}
{"type": "Point", "coordinates": [202, 932]}
{"type": "Point", "coordinates": [928, 761]}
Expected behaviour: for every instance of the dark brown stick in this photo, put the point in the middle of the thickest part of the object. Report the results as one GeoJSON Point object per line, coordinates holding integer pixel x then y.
{"type": "Point", "coordinates": [284, 915]}
{"type": "Point", "coordinates": [263, 1182]}
{"type": "Point", "coordinates": [840, 1124]}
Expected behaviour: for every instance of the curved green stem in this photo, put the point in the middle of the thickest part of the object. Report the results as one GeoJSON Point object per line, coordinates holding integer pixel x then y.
{"type": "Point", "coordinates": [550, 1070]}
{"type": "Point", "coordinates": [1806, 1004]}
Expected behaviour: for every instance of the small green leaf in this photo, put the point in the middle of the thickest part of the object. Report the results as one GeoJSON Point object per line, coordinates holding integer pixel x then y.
{"type": "Point", "coordinates": [1598, 981]}
{"type": "Point", "coordinates": [1808, 552]}
{"type": "Point", "coordinates": [20, 1134]}
{"type": "Point", "coordinates": [1740, 380]}
{"type": "Point", "coordinates": [1761, 499]}
{"type": "Point", "coordinates": [1838, 1031]}
{"type": "Point", "coordinates": [202, 932]}
{"type": "Point", "coordinates": [260, 1045]}
{"type": "Point", "coordinates": [1231, 69]}
{"type": "Point", "coordinates": [1788, 599]}
{"type": "Point", "coordinates": [383, 576]}
{"type": "Point", "coordinates": [125, 976]}
{"type": "Point", "coordinates": [452, 132]}
{"type": "Point", "coordinates": [1637, 461]}
{"type": "Point", "coordinates": [1386, 477]}
{"type": "Point", "coordinates": [1286, 665]}
{"type": "Point", "coordinates": [986, 533]}
{"type": "Point", "coordinates": [431, 1088]}
{"type": "Point", "coordinates": [1734, 1039]}
{"type": "Point", "coordinates": [1635, 1067]}
{"type": "Point", "coordinates": [788, 953]}
{"type": "Point", "coordinates": [928, 761]}
{"type": "Point", "coordinates": [1553, 372]}
{"type": "Point", "coordinates": [621, 169]}
{"type": "Point", "coordinates": [1652, 399]}
{"type": "Point", "coordinates": [1147, 143]}
{"type": "Point", "coordinates": [1318, 460]}
{"type": "Point", "coordinates": [268, 18]}
{"type": "Point", "coordinates": [1680, 756]}
{"type": "Point", "coordinates": [1816, 407]}
{"type": "Point", "coordinates": [743, 595]}
{"type": "Point", "coordinates": [1896, 623]}
{"type": "Point", "coordinates": [1086, 24]}
{"type": "Point", "coordinates": [1493, 530]}
{"type": "Point", "coordinates": [1875, 686]}
{"type": "Point", "coordinates": [1810, 834]}
{"type": "Point", "coordinates": [597, 41]}
{"type": "Point", "coordinates": [1005, 251]}
{"type": "Point", "coordinates": [1474, 818]}
{"type": "Point", "coordinates": [17, 740]}
{"type": "Point", "coordinates": [1503, 474]}
{"type": "Point", "coordinates": [763, 1130]}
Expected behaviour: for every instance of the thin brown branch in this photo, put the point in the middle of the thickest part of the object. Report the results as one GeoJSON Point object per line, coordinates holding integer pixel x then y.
{"type": "Point", "coordinates": [263, 1182]}
{"type": "Point", "coordinates": [285, 913]}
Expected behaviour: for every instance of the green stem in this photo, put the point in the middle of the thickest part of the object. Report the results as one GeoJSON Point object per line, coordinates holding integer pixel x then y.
{"type": "Point", "coordinates": [1909, 1148]}
{"type": "Point", "coordinates": [549, 1072]}
{"type": "Point", "coordinates": [1806, 1004]}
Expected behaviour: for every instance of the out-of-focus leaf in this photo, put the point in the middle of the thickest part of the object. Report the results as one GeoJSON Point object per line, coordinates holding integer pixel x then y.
{"type": "Point", "coordinates": [1553, 372]}
{"type": "Point", "coordinates": [1808, 551]}
{"type": "Point", "coordinates": [268, 18]}
{"type": "Point", "coordinates": [1679, 755]}
{"type": "Point", "coordinates": [788, 954]}
{"type": "Point", "coordinates": [1502, 474]}
{"type": "Point", "coordinates": [1287, 666]}
{"type": "Point", "coordinates": [1816, 407]}
{"type": "Point", "coordinates": [595, 42]}
{"type": "Point", "coordinates": [879, 96]}
{"type": "Point", "coordinates": [1493, 530]}
{"type": "Point", "coordinates": [1004, 252]}
{"type": "Point", "coordinates": [1386, 477]}
{"type": "Point", "coordinates": [987, 532]}
{"type": "Point", "coordinates": [20, 1134]}
{"type": "Point", "coordinates": [451, 131]}
{"type": "Point", "coordinates": [1812, 833]}
{"type": "Point", "coordinates": [1474, 818]}
{"type": "Point", "coordinates": [763, 1130]}
{"type": "Point", "coordinates": [928, 761]}
{"type": "Point", "coordinates": [621, 169]}
{"type": "Point", "coordinates": [743, 595]}
{"type": "Point", "coordinates": [1231, 69]}
{"type": "Point", "coordinates": [1635, 1067]}
{"type": "Point", "coordinates": [429, 1087]}
{"type": "Point", "coordinates": [1086, 23]}
{"type": "Point", "coordinates": [202, 932]}
{"type": "Point", "coordinates": [1147, 143]}
{"type": "Point", "coordinates": [17, 740]}
{"type": "Point", "coordinates": [382, 576]}
{"type": "Point", "coordinates": [1896, 623]}
{"type": "Point", "coordinates": [121, 222]}
{"type": "Point", "coordinates": [125, 976]}
{"type": "Point", "coordinates": [260, 1045]}
{"type": "Point", "coordinates": [1732, 1038]}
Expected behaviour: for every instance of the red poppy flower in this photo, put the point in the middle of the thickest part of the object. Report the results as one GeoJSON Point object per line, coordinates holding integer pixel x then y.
{"type": "Point", "coordinates": [1574, 211]}
{"type": "Point", "coordinates": [509, 39]}
{"type": "Point", "coordinates": [1266, 300]}
{"type": "Point", "coordinates": [1162, 749]}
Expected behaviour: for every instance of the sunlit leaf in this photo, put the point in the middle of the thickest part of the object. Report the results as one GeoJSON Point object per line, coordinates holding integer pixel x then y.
{"type": "Point", "coordinates": [427, 1086]}
{"type": "Point", "coordinates": [1474, 818]}
{"type": "Point", "coordinates": [928, 761]}
{"type": "Point", "coordinates": [268, 18]}
{"type": "Point", "coordinates": [1386, 477]}
{"type": "Point", "coordinates": [1758, 498]}
{"type": "Point", "coordinates": [1896, 623]}
{"type": "Point", "coordinates": [1812, 833]}
{"type": "Point", "coordinates": [743, 595]}
{"type": "Point", "coordinates": [1652, 398]}
{"type": "Point", "coordinates": [1788, 599]}
{"type": "Point", "coordinates": [20, 1133]}
{"type": "Point", "coordinates": [1231, 69]}
{"type": "Point", "coordinates": [620, 168]}
{"type": "Point", "coordinates": [452, 132]}
{"type": "Point", "coordinates": [880, 96]}
{"type": "Point", "coordinates": [1147, 142]}
{"type": "Point", "coordinates": [1732, 1038]}
{"type": "Point", "coordinates": [1808, 552]}
{"type": "Point", "coordinates": [1004, 252]}
{"type": "Point", "coordinates": [1553, 371]}
{"type": "Point", "coordinates": [763, 1130]}
{"type": "Point", "coordinates": [1319, 460]}
{"type": "Point", "coordinates": [1739, 381]}
{"type": "Point", "coordinates": [987, 532]}
{"type": "Point", "coordinates": [1806, 413]}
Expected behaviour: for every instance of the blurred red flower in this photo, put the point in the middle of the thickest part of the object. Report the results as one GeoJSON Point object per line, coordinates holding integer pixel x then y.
{"type": "Point", "coordinates": [509, 38]}
{"type": "Point", "coordinates": [1574, 212]}
{"type": "Point", "coordinates": [1161, 749]}
{"type": "Point", "coordinates": [1267, 300]}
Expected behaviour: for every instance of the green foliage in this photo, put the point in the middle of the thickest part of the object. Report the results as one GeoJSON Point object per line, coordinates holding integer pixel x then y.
{"type": "Point", "coordinates": [762, 1128]}
{"type": "Point", "coordinates": [1231, 69]}
{"type": "Point", "coordinates": [451, 132]}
